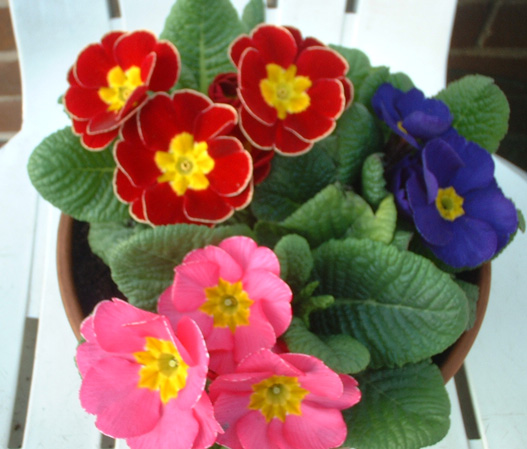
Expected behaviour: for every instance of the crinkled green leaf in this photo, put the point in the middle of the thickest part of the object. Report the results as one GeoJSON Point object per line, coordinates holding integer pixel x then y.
{"type": "Point", "coordinates": [373, 181]}
{"type": "Point", "coordinates": [105, 237]}
{"type": "Point", "coordinates": [77, 181]}
{"type": "Point", "coordinates": [379, 226]}
{"type": "Point", "coordinates": [341, 353]}
{"type": "Point", "coordinates": [292, 181]}
{"type": "Point", "coordinates": [405, 408]}
{"type": "Point", "coordinates": [359, 64]}
{"type": "Point", "coordinates": [304, 305]}
{"type": "Point", "coordinates": [480, 109]}
{"type": "Point", "coordinates": [398, 304]}
{"type": "Point", "coordinates": [357, 136]}
{"type": "Point", "coordinates": [472, 294]}
{"type": "Point", "coordinates": [401, 239]}
{"type": "Point", "coordinates": [187, 79]}
{"type": "Point", "coordinates": [143, 267]}
{"type": "Point", "coordinates": [253, 14]}
{"type": "Point", "coordinates": [296, 261]}
{"type": "Point", "coordinates": [202, 31]}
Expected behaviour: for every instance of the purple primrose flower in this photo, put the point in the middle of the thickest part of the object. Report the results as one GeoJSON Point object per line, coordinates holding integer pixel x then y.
{"type": "Point", "coordinates": [451, 193]}
{"type": "Point", "coordinates": [410, 115]}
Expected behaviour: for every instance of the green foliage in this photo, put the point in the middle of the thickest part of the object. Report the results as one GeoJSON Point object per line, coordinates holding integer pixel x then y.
{"type": "Point", "coordinates": [202, 31]}
{"type": "Point", "coordinates": [372, 179]}
{"type": "Point", "coordinates": [480, 109]}
{"type": "Point", "coordinates": [379, 226]}
{"type": "Point", "coordinates": [77, 181]}
{"type": "Point", "coordinates": [472, 294]}
{"type": "Point", "coordinates": [359, 64]}
{"type": "Point", "coordinates": [296, 261]}
{"type": "Point", "coordinates": [357, 137]}
{"type": "Point", "coordinates": [400, 408]}
{"type": "Point", "coordinates": [341, 353]}
{"type": "Point", "coordinates": [143, 265]}
{"type": "Point", "coordinates": [389, 300]}
{"type": "Point", "coordinates": [253, 14]}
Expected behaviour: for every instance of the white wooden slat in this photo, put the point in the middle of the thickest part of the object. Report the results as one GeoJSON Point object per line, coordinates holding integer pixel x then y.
{"type": "Point", "coordinates": [321, 19]}
{"type": "Point", "coordinates": [141, 14]}
{"type": "Point", "coordinates": [497, 363]}
{"type": "Point", "coordinates": [412, 36]}
{"type": "Point", "coordinates": [51, 420]}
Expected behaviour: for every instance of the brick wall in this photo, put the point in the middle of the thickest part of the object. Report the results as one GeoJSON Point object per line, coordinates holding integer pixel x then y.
{"type": "Point", "coordinates": [489, 37]}
{"type": "Point", "coordinates": [10, 95]}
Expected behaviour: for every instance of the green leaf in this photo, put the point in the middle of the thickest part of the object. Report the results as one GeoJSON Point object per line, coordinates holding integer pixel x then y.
{"type": "Point", "coordinates": [357, 136]}
{"type": "Point", "coordinates": [398, 304]}
{"type": "Point", "coordinates": [296, 261]}
{"type": "Point", "coordinates": [373, 182]}
{"type": "Point", "coordinates": [144, 265]}
{"type": "Point", "coordinates": [472, 294]}
{"type": "Point", "coordinates": [341, 353]}
{"type": "Point", "coordinates": [202, 31]}
{"type": "Point", "coordinates": [405, 408]}
{"type": "Point", "coordinates": [253, 14]}
{"type": "Point", "coordinates": [359, 64]}
{"type": "Point", "coordinates": [379, 226]}
{"type": "Point", "coordinates": [105, 237]}
{"type": "Point", "coordinates": [77, 181]}
{"type": "Point", "coordinates": [292, 181]}
{"type": "Point", "coordinates": [187, 79]}
{"type": "Point", "coordinates": [480, 109]}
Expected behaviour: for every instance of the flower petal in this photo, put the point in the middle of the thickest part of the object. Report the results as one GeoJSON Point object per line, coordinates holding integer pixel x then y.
{"type": "Point", "coordinates": [218, 119]}
{"type": "Point", "coordinates": [321, 62]}
{"type": "Point", "coordinates": [289, 143]}
{"type": "Point", "coordinates": [206, 206]}
{"type": "Point", "coordinates": [259, 134]}
{"type": "Point", "coordinates": [249, 255]}
{"type": "Point", "coordinates": [159, 122]}
{"type": "Point", "coordinates": [163, 206]}
{"type": "Point", "coordinates": [275, 44]}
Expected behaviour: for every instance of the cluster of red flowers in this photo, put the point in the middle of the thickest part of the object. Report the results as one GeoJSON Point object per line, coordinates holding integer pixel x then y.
{"type": "Point", "coordinates": [183, 157]}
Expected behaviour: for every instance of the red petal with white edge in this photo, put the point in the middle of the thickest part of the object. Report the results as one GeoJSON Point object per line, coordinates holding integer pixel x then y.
{"type": "Point", "coordinates": [159, 122]}
{"type": "Point", "coordinates": [103, 122]}
{"type": "Point", "coordinates": [92, 67]}
{"type": "Point", "coordinates": [349, 91]}
{"type": "Point", "coordinates": [147, 67]}
{"type": "Point", "coordinates": [327, 98]}
{"type": "Point", "coordinates": [258, 134]}
{"type": "Point", "coordinates": [188, 105]}
{"type": "Point", "coordinates": [206, 206]}
{"type": "Point", "coordinates": [135, 100]}
{"type": "Point", "coordinates": [321, 62]}
{"type": "Point", "coordinates": [303, 43]}
{"type": "Point", "coordinates": [124, 189]}
{"type": "Point", "coordinates": [290, 144]}
{"type": "Point", "coordinates": [310, 124]}
{"type": "Point", "coordinates": [108, 41]}
{"type": "Point", "coordinates": [163, 206]}
{"type": "Point", "coordinates": [138, 163]}
{"type": "Point", "coordinates": [130, 131]}
{"type": "Point", "coordinates": [238, 47]}
{"type": "Point", "coordinates": [241, 200]}
{"type": "Point", "coordinates": [166, 71]}
{"type": "Point", "coordinates": [93, 142]}
{"type": "Point", "coordinates": [275, 44]}
{"type": "Point", "coordinates": [216, 120]}
{"type": "Point", "coordinates": [232, 166]}
{"type": "Point", "coordinates": [83, 103]}
{"type": "Point", "coordinates": [132, 48]}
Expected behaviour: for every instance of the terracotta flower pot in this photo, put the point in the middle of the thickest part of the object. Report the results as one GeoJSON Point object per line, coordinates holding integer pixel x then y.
{"type": "Point", "coordinates": [84, 280]}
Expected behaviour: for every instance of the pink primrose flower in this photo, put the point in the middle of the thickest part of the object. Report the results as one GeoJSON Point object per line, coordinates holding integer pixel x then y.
{"type": "Point", "coordinates": [234, 293]}
{"type": "Point", "coordinates": [282, 401]}
{"type": "Point", "coordinates": [110, 80]}
{"type": "Point", "coordinates": [145, 381]}
{"type": "Point", "coordinates": [292, 89]}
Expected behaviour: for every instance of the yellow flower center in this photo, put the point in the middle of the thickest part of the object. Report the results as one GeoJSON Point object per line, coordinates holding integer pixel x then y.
{"type": "Point", "coordinates": [163, 368]}
{"type": "Point", "coordinates": [228, 304]}
{"type": "Point", "coordinates": [401, 127]}
{"type": "Point", "coordinates": [277, 396]}
{"type": "Point", "coordinates": [185, 164]}
{"type": "Point", "coordinates": [285, 91]}
{"type": "Point", "coordinates": [121, 85]}
{"type": "Point", "coordinates": [449, 204]}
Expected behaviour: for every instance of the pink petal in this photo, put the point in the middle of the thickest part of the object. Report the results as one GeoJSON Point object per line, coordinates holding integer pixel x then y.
{"type": "Point", "coordinates": [110, 391]}
{"type": "Point", "coordinates": [189, 335]}
{"type": "Point", "coordinates": [251, 430]}
{"type": "Point", "coordinates": [192, 278]}
{"type": "Point", "coordinates": [257, 335]}
{"type": "Point", "coordinates": [236, 384]}
{"type": "Point", "coordinates": [351, 395]}
{"type": "Point", "coordinates": [275, 433]}
{"type": "Point", "coordinates": [176, 429]}
{"type": "Point", "coordinates": [265, 360]}
{"type": "Point", "coordinates": [208, 426]}
{"type": "Point", "coordinates": [315, 428]}
{"type": "Point", "coordinates": [229, 409]}
{"type": "Point", "coordinates": [216, 120]}
{"type": "Point", "coordinates": [318, 379]}
{"type": "Point", "coordinates": [229, 269]}
{"type": "Point", "coordinates": [274, 296]}
{"type": "Point", "coordinates": [249, 255]}
{"type": "Point", "coordinates": [87, 331]}
{"type": "Point", "coordinates": [87, 355]}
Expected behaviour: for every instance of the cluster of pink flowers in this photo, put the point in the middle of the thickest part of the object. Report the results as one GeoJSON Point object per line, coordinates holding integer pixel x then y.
{"type": "Point", "coordinates": [145, 374]}
{"type": "Point", "coordinates": [183, 157]}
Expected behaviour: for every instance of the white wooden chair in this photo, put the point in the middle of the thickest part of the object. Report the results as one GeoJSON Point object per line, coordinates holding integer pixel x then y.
{"type": "Point", "coordinates": [39, 407]}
